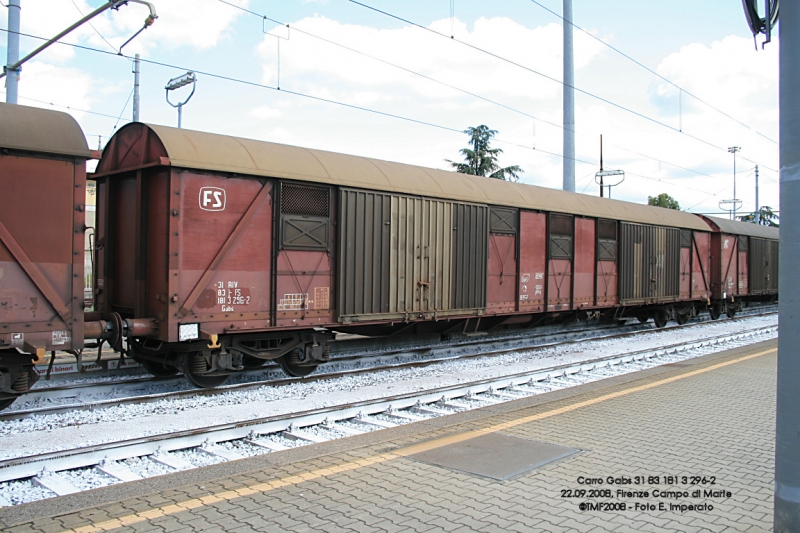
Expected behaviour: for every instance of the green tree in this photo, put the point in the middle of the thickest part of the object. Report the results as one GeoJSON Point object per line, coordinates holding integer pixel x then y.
{"type": "Point", "coordinates": [664, 200]}
{"type": "Point", "coordinates": [481, 160]}
{"type": "Point", "coordinates": [767, 217]}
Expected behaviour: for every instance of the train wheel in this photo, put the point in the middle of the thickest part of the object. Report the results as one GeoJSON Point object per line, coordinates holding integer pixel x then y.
{"type": "Point", "coordinates": [194, 366]}
{"type": "Point", "coordinates": [252, 363]}
{"type": "Point", "coordinates": [714, 312]}
{"type": "Point", "coordinates": [6, 402]}
{"type": "Point", "coordinates": [730, 311]}
{"type": "Point", "coordinates": [682, 318]}
{"type": "Point", "coordinates": [290, 363]}
{"type": "Point", "coordinates": [661, 318]}
{"type": "Point", "coordinates": [643, 319]}
{"type": "Point", "coordinates": [159, 370]}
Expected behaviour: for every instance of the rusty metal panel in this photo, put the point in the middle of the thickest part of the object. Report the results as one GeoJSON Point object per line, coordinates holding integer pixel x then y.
{"type": "Point", "coordinates": [184, 247]}
{"type": "Point", "coordinates": [501, 289]}
{"type": "Point", "coordinates": [41, 264]}
{"type": "Point", "coordinates": [763, 266]}
{"type": "Point", "coordinates": [701, 265]}
{"type": "Point", "coordinates": [583, 275]}
{"type": "Point", "coordinates": [365, 234]}
{"type": "Point", "coordinates": [742, 285]}
{"type": "Point", "coordinates": [724, 264]}
{"type": "Point", "coordinates": [607, 280]}
{"type": "Point", "coordinates": [470, 256]}
{"type": "Point", "coordinates": [649, 264]}
{"type": "Point", "coordinates": [224, 251]}
{"type": "Point", "coordinates": [33, 129]}
{"type": "Point", "coordinates": [533, 253]}
{"type": "Point", "coordinates": [686, 273]}
{"type": "Point", "coordinates": [303, 277]}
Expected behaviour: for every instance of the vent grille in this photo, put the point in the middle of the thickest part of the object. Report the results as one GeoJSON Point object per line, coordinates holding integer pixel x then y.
{"type": "Point", "coordinates": [561, 225]}
{"type": "Point", "coordinates": [742, 243]}
{"type": "Point", "coordinates": [686, 238]}
{"type": "Point", "coordinates": [607, 230]}
{"type": "Point", "coordinates": [304, 200]}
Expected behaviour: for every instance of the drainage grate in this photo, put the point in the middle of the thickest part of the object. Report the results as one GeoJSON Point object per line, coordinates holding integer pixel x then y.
{"type": "Point", "coordinates": [495, 456]}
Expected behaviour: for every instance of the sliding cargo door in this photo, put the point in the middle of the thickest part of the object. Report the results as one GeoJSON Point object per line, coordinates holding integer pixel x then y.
{"type": "Point", "coordinates": [420, 255]}
{"type": "Point", "coordinates": [408, 258]}
{"type": "Point", "coordinates": [763, 266]}
{"type": "Point", "coordinates": [650, 264]}
{"type": "Point", "coordinates": [501, 291]}
{"type": "Point", "coordinates": [303, 264]}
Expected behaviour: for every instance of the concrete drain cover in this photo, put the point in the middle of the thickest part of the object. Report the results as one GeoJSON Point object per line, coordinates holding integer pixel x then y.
{"type": "Point", "coordinates": [495, 455]}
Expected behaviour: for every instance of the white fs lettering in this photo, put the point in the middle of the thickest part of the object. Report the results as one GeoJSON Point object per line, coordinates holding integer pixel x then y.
{"type": "Point", "coordinates": [212, 199]}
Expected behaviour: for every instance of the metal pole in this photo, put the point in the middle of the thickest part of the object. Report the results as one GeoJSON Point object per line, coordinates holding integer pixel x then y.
{"type": "Point", "coordinates": [12, 81]}
{"type": "Point", "coordinates": [180, 115]}
{"type": "Point", "coordinates": [758, 210]}
{"type": "Point", "coordinates": [569, 101]}
{"type": "Point", "coordinates": [787, 437]}
{"type": "Point", "coordinates": [734, 185]}
{"type": "Point", "coordinates": [136, 64]}
{"type": "Point", "coordinates": [601, 165]}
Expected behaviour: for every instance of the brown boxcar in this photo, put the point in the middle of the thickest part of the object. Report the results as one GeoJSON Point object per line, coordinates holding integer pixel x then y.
{"type": "Point", "coordinates": [243, 250]}
{"type": "Point", "coordinates": [744, 263]}
{"type": "Point", "coordinates": [43, 178]}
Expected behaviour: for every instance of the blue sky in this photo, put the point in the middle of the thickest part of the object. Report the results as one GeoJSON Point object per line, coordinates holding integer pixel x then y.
{"type": "Point", "coordinates": [704, 47]}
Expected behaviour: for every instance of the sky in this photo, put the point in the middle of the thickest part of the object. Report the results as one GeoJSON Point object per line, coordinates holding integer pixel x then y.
{"type": "Point", "coordinates": [401, 80]}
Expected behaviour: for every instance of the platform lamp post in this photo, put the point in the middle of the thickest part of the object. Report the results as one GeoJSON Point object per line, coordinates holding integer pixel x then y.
{"type": "Point", "coordinates": [176, 83]}
{"type": "Point", "coordinates": [733, 150]}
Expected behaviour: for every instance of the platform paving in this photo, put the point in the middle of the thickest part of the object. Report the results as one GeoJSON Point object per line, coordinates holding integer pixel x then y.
{"type": "Point", "coordinates": [712, 417]}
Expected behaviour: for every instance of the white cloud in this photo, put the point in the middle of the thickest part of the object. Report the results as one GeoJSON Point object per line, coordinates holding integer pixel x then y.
{"type": "Point", "coordinates": [265, 112]}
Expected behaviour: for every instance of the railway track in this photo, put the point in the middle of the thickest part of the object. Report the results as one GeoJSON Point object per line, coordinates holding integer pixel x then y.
{"type": "Point", "coordinates": [82, 468]}
{"type": "Point", "coordinates": [67, 398]}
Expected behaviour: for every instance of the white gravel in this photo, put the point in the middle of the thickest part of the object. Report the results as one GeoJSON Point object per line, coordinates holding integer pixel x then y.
{"type": "Point", "coordinates": [40, 434]}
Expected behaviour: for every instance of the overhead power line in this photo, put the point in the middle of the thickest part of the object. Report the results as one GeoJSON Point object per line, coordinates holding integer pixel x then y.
{"type": "Point", "coordinates": [459, 89]}
{"type": "Point", "coordinates": [295, 93]}
{"type": "Point", "coordinates": [551, 78]}
{"type": "Point", "coordinates": [654, 73]}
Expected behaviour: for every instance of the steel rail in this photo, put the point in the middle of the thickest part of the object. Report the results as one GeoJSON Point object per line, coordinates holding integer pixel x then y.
{"type": "Point", "coordinates": [69, 459]}
{"type": "Point", "coordinates": [489, 349]}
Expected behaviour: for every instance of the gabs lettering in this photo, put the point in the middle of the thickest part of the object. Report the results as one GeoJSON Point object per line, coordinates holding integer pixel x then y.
{"type": "Point", "coordinates": [212, 199]}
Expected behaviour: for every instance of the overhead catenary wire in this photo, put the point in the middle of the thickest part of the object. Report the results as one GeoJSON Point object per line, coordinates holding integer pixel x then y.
{"type": "Point", "coordinates": [92, 26]}
{"type": "Point", "coordinates": [459, 89]}
{"type": "Point", "coordinates": [654, 73]}
{"type": "Point", "coordinates": [302, 95]}
{"type": "Point", "coordinates": [551, 78]}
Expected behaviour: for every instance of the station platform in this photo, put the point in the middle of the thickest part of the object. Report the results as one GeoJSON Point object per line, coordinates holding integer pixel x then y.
{"type": "Point", "coordinates": [683, 447]}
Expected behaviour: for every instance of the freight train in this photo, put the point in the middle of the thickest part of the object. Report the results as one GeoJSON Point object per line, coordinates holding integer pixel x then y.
{"type": "Point", "coordinates": [213, 253]}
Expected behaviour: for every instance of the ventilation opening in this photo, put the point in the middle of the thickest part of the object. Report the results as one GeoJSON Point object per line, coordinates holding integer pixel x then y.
{"type": "Point", "coordinates": [742, 243]}
{"type": "Point", "coordinates": [304, 200]}
{"type": "Point", "coordinates": [607, 230]}
{"type": "Point", "coordinates": [686, 238]}
{"type": "Point", "coordinates": [561, 225]}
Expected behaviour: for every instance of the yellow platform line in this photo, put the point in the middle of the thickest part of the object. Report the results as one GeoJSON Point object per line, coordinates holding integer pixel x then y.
{"type": "Point", "coordinates": [296, 479]}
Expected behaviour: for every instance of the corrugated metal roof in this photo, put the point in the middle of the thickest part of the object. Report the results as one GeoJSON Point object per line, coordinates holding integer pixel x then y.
{"type": "Point", "coordinates": [41, 130]}
{"type": "Point", "coordinates": [207, 151]}
{"type": "Point", "coordinates": [735, 227]}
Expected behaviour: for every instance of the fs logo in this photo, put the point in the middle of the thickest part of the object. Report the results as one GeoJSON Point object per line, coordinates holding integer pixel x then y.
{"type": "Point", "coordinates": [212, 199]}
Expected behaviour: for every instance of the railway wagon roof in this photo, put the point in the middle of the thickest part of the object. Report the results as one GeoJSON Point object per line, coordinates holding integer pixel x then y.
{"type": "Point", "coordinates": [207, 151]}
{"type": "Point", "coordinates": [41, 130]}
{"type": "Point", "coordinates": [735, 227]}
